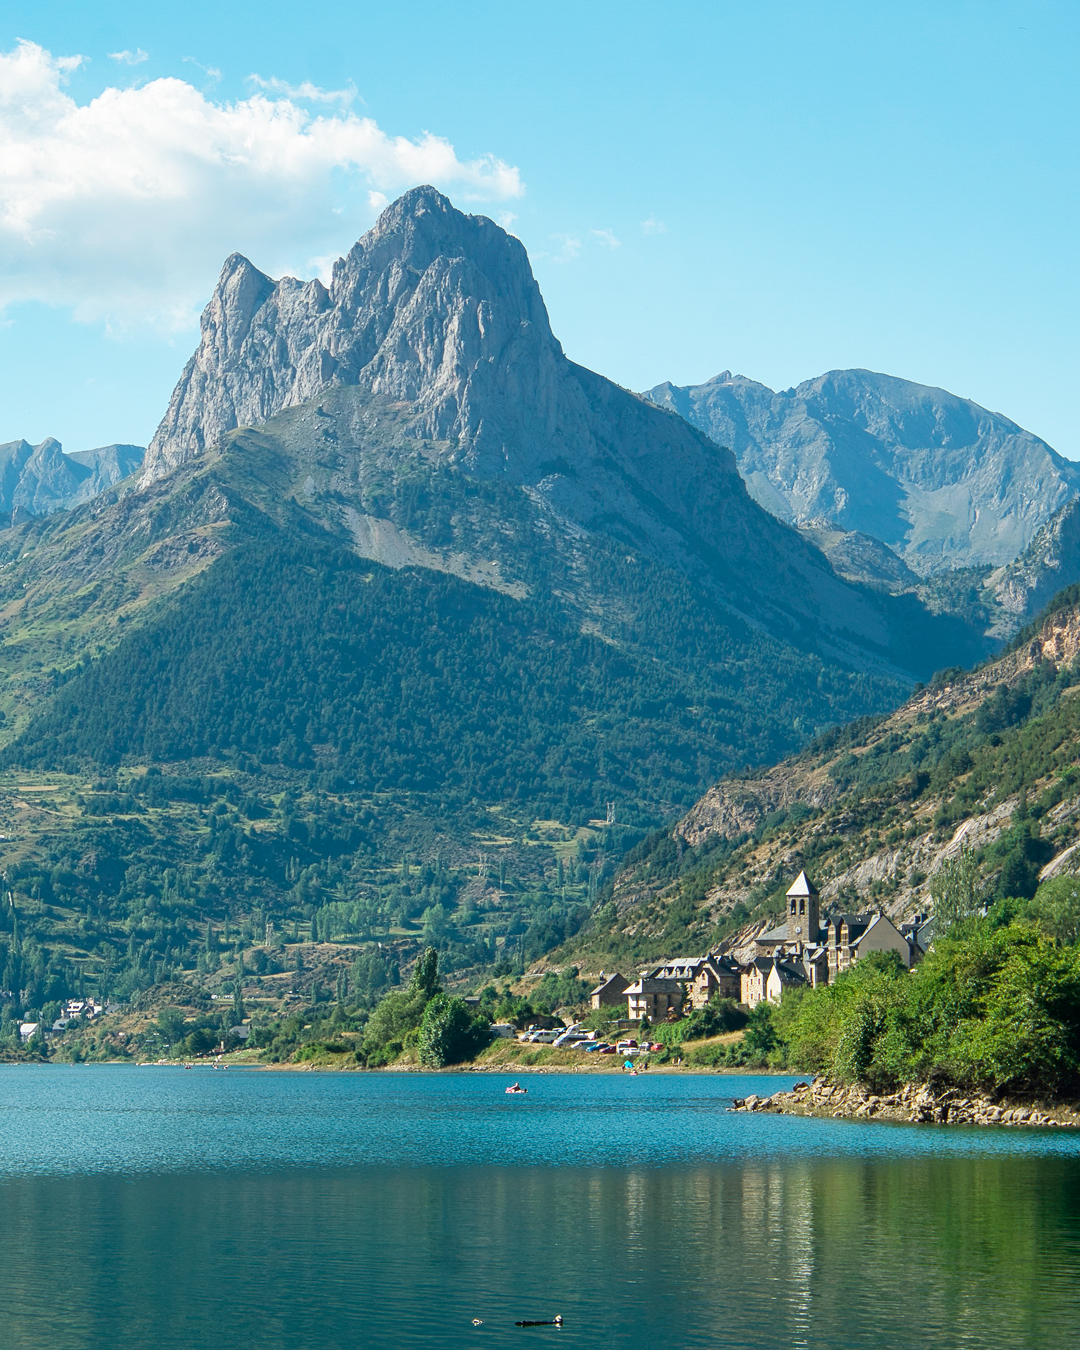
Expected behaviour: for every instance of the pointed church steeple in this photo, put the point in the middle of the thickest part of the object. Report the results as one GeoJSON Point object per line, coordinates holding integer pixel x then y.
{"type": "Point", "coordinates": [804, 913]}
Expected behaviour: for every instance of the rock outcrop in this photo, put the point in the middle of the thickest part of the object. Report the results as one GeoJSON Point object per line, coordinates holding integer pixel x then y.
{"type": "Point", "coordinates": [913, 1103]}
{"type": "Point", "coordinates": [1050, 562]}
{"type": "Point", "coordinates": [942, 481]}
{"type": "Point", "coordinates": [736, 806]}
{"type": "Point", "coordinates": [431, 307]}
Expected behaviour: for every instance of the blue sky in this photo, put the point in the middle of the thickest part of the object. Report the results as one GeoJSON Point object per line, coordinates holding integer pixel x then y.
{"type": "Point", "coordinates": [775, 188]}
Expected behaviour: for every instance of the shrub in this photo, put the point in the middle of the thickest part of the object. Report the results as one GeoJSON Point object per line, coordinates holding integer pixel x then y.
{"type": "Point", "coordinates": [994, 1008]}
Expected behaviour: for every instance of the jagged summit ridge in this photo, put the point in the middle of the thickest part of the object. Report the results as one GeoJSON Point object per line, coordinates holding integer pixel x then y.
{"type": "Point", "coordinates": [432, 342]}
{"type": "Point", "coordinates": [432, 306]}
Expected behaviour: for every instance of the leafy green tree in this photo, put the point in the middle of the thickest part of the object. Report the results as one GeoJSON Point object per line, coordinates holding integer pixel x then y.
{"type": "Point", "coordinates": [200, 1042]}
{"type": "Point", "coordinates": [760, 1038]}
{"type": "Point", "coordinates": [171, 1025]}
{"type": "Point", "coordinates": [425, 976]}
{"type": "Point", "coordinates": [957, 891]}
{"type": "Point", "coordinates": [449, 1033]}
{"type": "Point", "coordinates": [1056, 909]}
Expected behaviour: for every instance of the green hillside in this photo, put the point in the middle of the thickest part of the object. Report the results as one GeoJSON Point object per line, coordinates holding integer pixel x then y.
{"type": "Point", "coordinates": [218, 717]}
{"type": "Point", "coordinates": [415, 681]}
{"type": "Point", "coordinates": [338, 756]}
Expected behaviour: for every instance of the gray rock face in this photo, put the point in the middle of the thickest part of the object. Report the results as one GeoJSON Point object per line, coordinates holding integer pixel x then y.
{"type": "Point", "coordinates": [942, 481]}
{"type": "Point", "coordinates": [36, 480]}
{"type": "Point", "coordinates": [1051, 561]}
{"type": "Point", "coordinates": [431, 307]}
{"type": "Point", "coordinates": [107, 465]}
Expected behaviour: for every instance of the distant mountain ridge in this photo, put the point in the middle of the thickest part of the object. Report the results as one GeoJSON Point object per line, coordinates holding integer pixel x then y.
{"type": "Point", "coordinates": [36, 480]}
{"type": "Point", "coordinates": [940, 480]}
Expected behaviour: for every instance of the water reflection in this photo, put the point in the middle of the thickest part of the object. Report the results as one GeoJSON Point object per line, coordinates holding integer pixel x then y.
{"type": "Point", "coordinates": [784, 1249]}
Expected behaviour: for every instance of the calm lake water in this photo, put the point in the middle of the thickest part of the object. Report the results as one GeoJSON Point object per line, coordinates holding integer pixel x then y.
{"type": "Point", "coordinates": [160, 1209]}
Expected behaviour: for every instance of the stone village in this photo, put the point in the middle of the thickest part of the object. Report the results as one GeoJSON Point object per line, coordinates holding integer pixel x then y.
{"type": "Point", "coordinates": [803, 951]}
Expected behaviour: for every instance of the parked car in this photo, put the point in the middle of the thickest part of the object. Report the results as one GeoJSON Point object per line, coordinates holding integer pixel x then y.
{"type": "Point", "coordinates": [597, 1045]}
{"type": "Point", "coordinates": [656, 1045]}
{"type": "Point", "coordinates": [627, 1045]}
{"type": "Point", "coordinates": [607, 1050]}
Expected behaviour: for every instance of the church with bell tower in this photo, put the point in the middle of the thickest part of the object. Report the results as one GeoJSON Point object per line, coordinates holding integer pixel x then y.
{"type": "Point", "coordinates": [803, 912]}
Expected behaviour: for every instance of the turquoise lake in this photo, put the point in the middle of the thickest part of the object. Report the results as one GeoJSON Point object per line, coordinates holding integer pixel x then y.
{"type": "Point", "coordinates": [159, 1208]}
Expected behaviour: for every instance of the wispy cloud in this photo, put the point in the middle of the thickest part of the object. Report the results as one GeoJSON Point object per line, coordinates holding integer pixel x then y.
{"type": "Point", "coordinates": [211, 72]}
{"type": "Point", "coordinates": [607, 238]}
{"type": "Point", "coordinates": [653, 226]}
{"type": "Point", "coordinates": [305, 92]}
{"type": "Point", "coordinates": [571, 247]}
{"type": "Point", "coordinates": [125, 207]}
{"type": "Point", "coordinates": [135, 58]}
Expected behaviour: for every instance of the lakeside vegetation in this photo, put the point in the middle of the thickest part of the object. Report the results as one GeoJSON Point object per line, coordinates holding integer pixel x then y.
{"type": "Point", "coordinates": [993, 1007]}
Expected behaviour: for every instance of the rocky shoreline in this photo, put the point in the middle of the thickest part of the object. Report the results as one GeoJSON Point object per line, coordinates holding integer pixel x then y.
{"type": "Point", "coordinates": [913, 1104]}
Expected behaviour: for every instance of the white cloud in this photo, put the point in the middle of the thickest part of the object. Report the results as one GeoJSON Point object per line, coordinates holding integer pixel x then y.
{"type": "Point", "coordinates": [607, 238]}
{"type": "Point", "coordinates": [211, 72]}
{"type": "Point", "coordinates": [124, 208]}
{"type": "Point", "coordinates": [653, 226]}
{"type": "Point", "coordinates": [135, 58]}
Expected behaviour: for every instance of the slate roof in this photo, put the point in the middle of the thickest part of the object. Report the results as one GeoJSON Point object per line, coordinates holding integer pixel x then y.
{"type": "Point", "coordinates": [802, 885]}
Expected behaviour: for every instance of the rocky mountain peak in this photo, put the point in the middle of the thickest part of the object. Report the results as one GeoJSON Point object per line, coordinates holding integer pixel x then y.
{"type": "Point", "coordinates": [431, 306]}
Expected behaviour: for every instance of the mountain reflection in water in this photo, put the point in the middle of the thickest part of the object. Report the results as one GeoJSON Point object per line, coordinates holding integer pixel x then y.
{"type": "Point", "coordinates": [760, 1232]}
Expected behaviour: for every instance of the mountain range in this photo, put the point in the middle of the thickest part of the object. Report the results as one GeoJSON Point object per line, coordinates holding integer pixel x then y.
{"type": "Point", "coordinates": [36, 480]}
{"type": "Point", "coordinates": [400, 588]}
{"type": "Point", "coordinates": [941, 481]}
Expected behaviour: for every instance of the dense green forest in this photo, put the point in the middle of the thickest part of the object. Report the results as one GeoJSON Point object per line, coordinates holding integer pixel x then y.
{"type": "Point", "coordinates": [417, 682]}
{"type": "Point", "coordinates": [995, 1006]}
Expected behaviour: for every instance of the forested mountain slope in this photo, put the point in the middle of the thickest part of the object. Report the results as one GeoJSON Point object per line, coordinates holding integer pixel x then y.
{"type": "Point", "coordinates": [985, 764]}
{"type": "Point", "coordinates": [418, 656]}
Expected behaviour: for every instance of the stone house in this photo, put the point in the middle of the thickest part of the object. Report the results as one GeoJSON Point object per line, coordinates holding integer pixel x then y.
{"type": "Point", "coordinates": [852, 936]}
{"type": "Point", "coordinates": [753, 981]}
{"type": "Point", "coordinates": [769, 978]}
{"type": "Point", "coordinates": [705, 977]}
{"type": "Point", "coordinates": [654, 999]}
{"type": "Point", "coordinates": [785, 975]}
{"type": "Point", "coordinates": [611, 990]}
{"type": "Point", "coordinates": [815, 965]}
